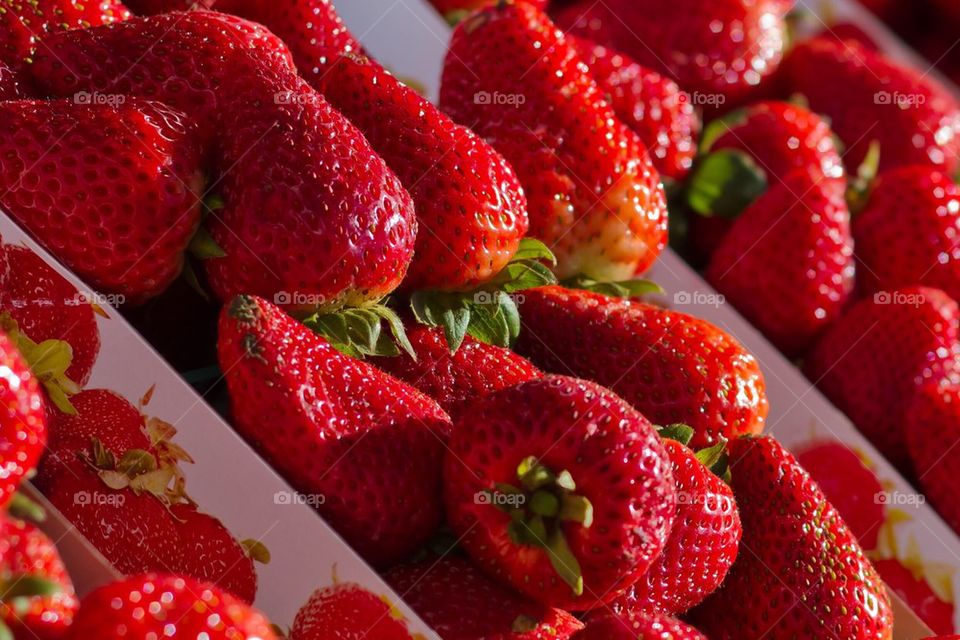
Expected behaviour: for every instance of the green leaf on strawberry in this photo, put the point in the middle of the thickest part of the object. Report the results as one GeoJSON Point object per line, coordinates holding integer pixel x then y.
{"type": "Point", "coordinates": [724, 183]}
{"type": "Point", "coordinates": [622, 289]}
{"type": "Point", "coordinates": [358, 331]}
{"type": "Point", "coordinates": [49, 361]}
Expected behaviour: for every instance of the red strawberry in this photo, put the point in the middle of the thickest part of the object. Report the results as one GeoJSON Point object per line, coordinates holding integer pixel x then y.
{"type": "Point", "coordinates": [30, 562]}
{"type": "Point", "coordinates": [456, 10]}
{"type": "Point", "coordinates": [849, 485]}
{"type": "Point", "coordinates": [787, 262]}
{"type": "Point", "coordinates": [459, 602]}
{"type": "Point", "coordinates": [868, 96]}
{"type": "Point", "coordinates": [113, 474]}
{"type": "Point", "coordinates": [476, 369]}
{"type": "Point", "coordinates": [116, 195]}
{"type": "Point", "coordinates": [24, 22]}
{"type": "Point", "coordinates": [669, 365]}
{"type": "Point", "coordinates": [560, 488]}
{"type": "Point", "coordinates": [470, 207]}
{"type": "Point", "coordinates": [907, 233]}
{"type": "Point", "coordinates": [704, 541]}
{"type": "Point", "coordinates": [339, 428]}
{"type": "Point", "coordinates": [23, 423]}
{"type": "Point", "coordinates": [649, 103]}
{"type": "Point", "coordinates": [874, 358]}
{"type": "Point", "coordinates": [851, 31]}
{"type": "Point", "coordinates": [37, 305]}
{"type": "Point", "coordinates": [801, 573]}
{"type": "Point", "coordinates": [594, 197]}
{"type": "Point", "coordinates": [638, 627]}
{"type": "Point", "coordinates": [718, 51]}
{"type": "Point", "coordinates": [346, 611]}
{"type": "Point", "coordinates": [154, 606]}
{"type": "Point", "coordinates": [10, 87]}
{"type": "Point", "coordinates": [913, 589]}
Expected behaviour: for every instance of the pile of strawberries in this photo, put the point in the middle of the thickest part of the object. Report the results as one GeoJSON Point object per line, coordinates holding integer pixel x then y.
{"type": "Point", "coordinates": [429, 319]}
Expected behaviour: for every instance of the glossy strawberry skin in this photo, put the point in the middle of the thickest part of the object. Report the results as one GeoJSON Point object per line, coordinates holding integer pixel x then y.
{"type": "Point", "coordinates": [471, 210]}
{"type": "Point", "coordinates": [869, 97]}
{"type": "Point", "coordinates": [795, 238]}
{"type": "Point", "coordinates": [136, 533]}
{"type": "Point", "coordinates": [46, 306]}
{"type": "Point", "coordinates": [907, 233]}
{"type": "Point", "coordinates": [26, 550]}
{"type": "Point", "coordinates": [152, 605]}
{"type": "Point", "coordinates": [347, 610]}
{"type": "Point", "coordinates": [593, 194]}
{"type": "Point", "coordinates": [368, 443]}
{"type": "Point", "coordinates": [933, 425]}
{"type": "Point", "coordinates": [23, 422]}
{"type": "Point", "coordinates": [701, 548]}
{"type": "Point", "coordinates": [720, 51]}
{"type": "Point", "coordinates": [615, 458]}
{"type": "Point", "coordinates": [669, 365]}
{"type": "Point", "coordinates": [638, 627]}
{"type": "Point", "coordinates": [10, 88]}
{"type": "Point", "coordinates": [116, 197]}
{"type": "Point", "coordinates": [476, 369]}
{"type": "Point", "coordinates": [650, 104]}
{"type": "Point", "coordinates": [876, 356]}
{"type": "Point", "coordinates": [460, 602]}
{"type": "Point", "coordinates": [795, 545]}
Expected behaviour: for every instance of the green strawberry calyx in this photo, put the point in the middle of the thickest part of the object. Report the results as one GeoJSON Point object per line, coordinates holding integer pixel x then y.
{"type": "Point", "coordinates": [715, 458]}
{"type": "Point", "coordinates": [19, 591]}
{"type": "Point", "coordinates": [358, 331]}
{"type": "Point", "coordinates": [723, 183]}
{"type": "Point", "coordinates": [48, 360]}
{"type": "Point", "coordinates": [636, 288]}
{"type": "Point", "coordinates": [489, 312]}
{"type": "Point", "coordinates": [540, 505]}
{"type": "Point", "coordinates": [860, 186]}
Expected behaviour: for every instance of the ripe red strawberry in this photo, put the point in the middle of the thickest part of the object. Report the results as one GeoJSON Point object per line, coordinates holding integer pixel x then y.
{"type": "Point", "coordinates": [23, 423]}
{"type": "Point", "coordinates": [720, 52]}
{"type": "Point", "coordinates": [907, 232]}
{"type": "Point", "coordinates": [868, 97]}
{"type": "Point", "coordinates": [470, 207]}
{"type": "Point", "coordinates": [560, 488]}
{"type": "Point", "coordinates": [459, 602]}
{"type": "Point", "coordinates": [594, 196]}
{"type": "Point", "coordinates": [703, 544]}
{"type": "Point", "coordinates": [155, 606]}
{"type": "Point", "coordinates": [801, 573]}
{"type": "Point", "coordinates": [38, 304]}
{"type": "Point", "coordinates": [787, 262]}
{"type": "Point", "coordinates": [113, 474]}
{"type": "Point", "coordinates": [24, 22]}
{"type": "Point", "coordinates": [874, 358]}
{"type": "Point", "coordinates": [10, 88]}
{"type": "Point", "coordinates": [476, 369]}
{"type": "Point", "coordinates": [338, 428]}
{"type": "Point", "coordinates": [116, 195]}
{"type": "Point", "coordinates": [456, 10]}
{"type": "Point", "coordinates": [849, 485]}
{"type": "Point", "coordinates": [345, 611]}
{"type": "Point", "coordinates": [29, 562]}
{"type": "Point", "coordinates": [297, 179]}
{"type": "Point", "coordinates": [669, 365]}
{"type": "Point", "coordinates": [650, 104]}
{"type": "Point", "coordinates": [914, 590]}
{"type": "Point", "coordinates": [638, 627]}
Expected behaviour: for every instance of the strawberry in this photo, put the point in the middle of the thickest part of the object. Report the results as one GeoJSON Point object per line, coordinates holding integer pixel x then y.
{"type": "Point", "coordinates": [356, 433]}
{"type": "Point", "coordinates": [795, 238]}
{"type": "Point", "coordinates": [931, 429]}
{"type": "Point", "coordinates": [560, 488]}
{"type": "Point", "coordinates": [801, 573]}
{"type": "Point", "coordinates": [113, 473]}
{"type": "Point", "coordinates": [868, 96]}
{"type": "Point", "coordinates": [23, 422]}
{"type": "Point", "coordinates": [38, 305]}
{"type": "Point", "coordinates": [849, 485]}
{"type": "Point", "coordinates": [10, 87]}
{"type": "Point", "coordinates": [705, 537]}
{"type": "Point", "coordinates": [650, 104]}
{"type": "Point", "coordinates": [116, 196]}
{"type": "Point", "coordinates": [38, 596]}
{"type": "Point", "coordinates": [669, 365]}
{"type": "Point", "coordinates": [470, 207]}
{"type": "Point", "coordinates": [285, 196]}
{"type": "Point", "coordinates": [874, 358]}
{"type": "Point", "coordinates": [906, 234]}
{"type": "Point", "coordinates": [456, 10]}
{"type": "Point", "coordinates": [916, 592]}
{"type": "Point", "coordinates": [345, 611]}
{"type": "Point", "coordinates": [638, 627]}
{"type": "Point", "coordinates": [154, 606]}
{"type": "Point", "coordinates": [594, 196]}
{"type": "Point", "coordinates": [475, 370]}
{"type": "Point", "coordinates": [719, 52]}
{"type": "Point", "coordinates": [459, 602]}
